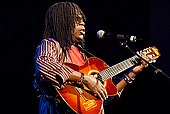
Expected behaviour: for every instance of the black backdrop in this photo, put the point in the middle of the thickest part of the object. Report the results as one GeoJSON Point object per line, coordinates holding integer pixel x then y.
{"type": "Point", "coordinates": [21, 28]}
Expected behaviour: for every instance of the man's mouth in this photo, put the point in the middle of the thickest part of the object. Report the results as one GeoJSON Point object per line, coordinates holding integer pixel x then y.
{"type": "Point", "coordinates": [82, 33]}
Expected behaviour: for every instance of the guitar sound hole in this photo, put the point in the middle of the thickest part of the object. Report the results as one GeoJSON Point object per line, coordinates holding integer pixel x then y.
{"type": "Point", "coordinates": [93, 73]}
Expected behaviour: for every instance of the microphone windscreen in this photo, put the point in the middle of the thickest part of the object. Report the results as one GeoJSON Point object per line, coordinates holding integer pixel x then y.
{"type": "Point", "coordinates": [100, 33]}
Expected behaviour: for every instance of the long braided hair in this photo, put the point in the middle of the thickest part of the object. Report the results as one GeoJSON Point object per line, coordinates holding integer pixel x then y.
{"type": "Point", "coordinates": [60, 21]}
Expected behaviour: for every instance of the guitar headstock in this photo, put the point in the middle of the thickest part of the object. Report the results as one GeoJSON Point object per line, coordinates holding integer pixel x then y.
{"type": "Point", "coordinates": [152, 53]}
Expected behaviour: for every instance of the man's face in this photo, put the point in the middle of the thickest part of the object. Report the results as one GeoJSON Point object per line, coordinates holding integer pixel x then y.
{"type": "Point", "coordinates": [79, 30]}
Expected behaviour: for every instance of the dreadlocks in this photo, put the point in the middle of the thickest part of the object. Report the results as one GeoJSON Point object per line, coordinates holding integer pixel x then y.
{"type": "Point", "coordinates": [60, 21]}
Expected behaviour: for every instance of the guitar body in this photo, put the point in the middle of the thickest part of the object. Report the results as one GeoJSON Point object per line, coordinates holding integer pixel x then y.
{"type": "Point", "coordinates": [80, 99]}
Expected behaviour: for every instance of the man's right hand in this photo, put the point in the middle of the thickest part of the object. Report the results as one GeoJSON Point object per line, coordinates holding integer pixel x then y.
{"type": "Point", "coordinates": [95, 86]}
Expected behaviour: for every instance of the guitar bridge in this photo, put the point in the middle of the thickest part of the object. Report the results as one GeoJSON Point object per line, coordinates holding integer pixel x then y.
{"type": "Point", "coordinates": [89, 104]}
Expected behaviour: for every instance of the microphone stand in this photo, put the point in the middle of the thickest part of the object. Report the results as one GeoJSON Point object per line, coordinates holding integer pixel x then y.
{"type": "Point", "coordinates": [157, 70]}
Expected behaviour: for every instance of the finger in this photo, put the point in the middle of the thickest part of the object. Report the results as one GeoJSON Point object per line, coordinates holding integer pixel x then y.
{"type": "Point", "coordinates": [144, 64]}
{"type": "Point", "coordinates": [100, 96]}
{"type": "Point", "coordinates": [103, 94]}
{"type": "Point", "coordinates": [104, 91]}
{"type": "Point", "coordinates": [101, 85]}
{"type": "Point", "coordinates": [95, 75]}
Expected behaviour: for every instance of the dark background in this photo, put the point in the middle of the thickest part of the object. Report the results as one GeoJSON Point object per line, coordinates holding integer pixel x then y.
{"type": "Point", "coordinates": [21, 28]}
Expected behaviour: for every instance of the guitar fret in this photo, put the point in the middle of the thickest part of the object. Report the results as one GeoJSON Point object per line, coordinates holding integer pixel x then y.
{"type": "Point", "coordinates": [116, 68]}
{"type": "Point", "coordinates": [124, 65]}
{"type": "Point", "coordinates": [101, 76]}
{"type": "Point", "coordinates": [105, 75]}
{"type": "Point", "coordinates": [108, 72]}
{"type": "Point", "coordinates": [111, 71]}
{"type": "Point", "coordinates": [119, 67]}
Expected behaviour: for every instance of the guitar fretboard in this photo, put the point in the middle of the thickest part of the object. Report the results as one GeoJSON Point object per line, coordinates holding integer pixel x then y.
{"type": "Point", "coordinates": [117, 68]}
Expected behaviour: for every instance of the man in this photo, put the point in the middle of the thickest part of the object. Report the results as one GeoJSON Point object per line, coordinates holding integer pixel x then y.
{"type": "Point", "coordinates": [63, 42]}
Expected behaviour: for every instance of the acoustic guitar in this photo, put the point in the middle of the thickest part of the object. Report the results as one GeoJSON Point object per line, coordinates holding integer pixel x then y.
{"type": "Point", "coordinates": [80, 99]}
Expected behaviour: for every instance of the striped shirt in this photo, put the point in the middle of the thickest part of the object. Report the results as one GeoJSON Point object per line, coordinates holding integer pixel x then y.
{"type": "Point", "coordinates": [49, 59]}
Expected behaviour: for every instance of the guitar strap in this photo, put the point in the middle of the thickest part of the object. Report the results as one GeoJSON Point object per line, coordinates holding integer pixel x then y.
{"type": "Point", "coordinates": [87, 53]}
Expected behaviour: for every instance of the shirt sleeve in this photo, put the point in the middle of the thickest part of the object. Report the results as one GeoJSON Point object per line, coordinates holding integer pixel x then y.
{"type": "Point", "coordinates": [47, 61]}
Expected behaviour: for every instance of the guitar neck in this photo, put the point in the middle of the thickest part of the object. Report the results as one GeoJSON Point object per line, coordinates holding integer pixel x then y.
{"type": "Point", "coordinates": [117, 68]}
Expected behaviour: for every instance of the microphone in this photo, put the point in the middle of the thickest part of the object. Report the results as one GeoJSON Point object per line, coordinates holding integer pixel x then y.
{"type": "Point", "coordinates": [102, 34]}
